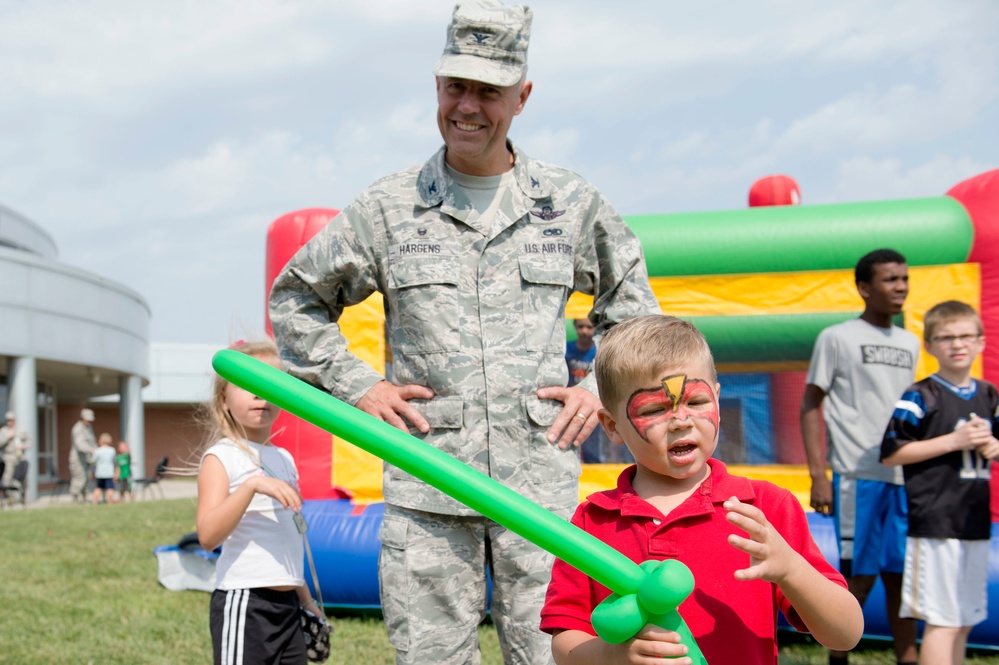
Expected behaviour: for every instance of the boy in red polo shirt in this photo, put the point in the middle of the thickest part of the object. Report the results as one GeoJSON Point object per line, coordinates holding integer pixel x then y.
{"type": "Point", "coordinates": [746, 541]}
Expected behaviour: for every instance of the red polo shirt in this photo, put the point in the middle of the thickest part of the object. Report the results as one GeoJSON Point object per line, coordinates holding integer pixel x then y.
{"type": "Point", "coordinates": [732, 621]}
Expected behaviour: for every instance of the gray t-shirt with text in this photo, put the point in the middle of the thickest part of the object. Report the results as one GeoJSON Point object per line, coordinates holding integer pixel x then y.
{"type": "Point", "coordinates": [863, 370]}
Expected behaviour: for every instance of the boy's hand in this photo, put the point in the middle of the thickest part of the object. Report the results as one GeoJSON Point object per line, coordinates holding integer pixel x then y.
{"type": "Point", "coordinates": [649, 647]}
{"type": "Point", "coordinates": [652, 644]}
{"type": "Point", "coordinates": [770, 557]}
{"type": "Point", "coordinates": [972, 434]}
{"type": "Point", "coordinates": [989, 449]}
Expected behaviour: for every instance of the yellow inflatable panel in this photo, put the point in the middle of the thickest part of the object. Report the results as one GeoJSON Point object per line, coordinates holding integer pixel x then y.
{"type": "Point", "coordinates": [751, 294]}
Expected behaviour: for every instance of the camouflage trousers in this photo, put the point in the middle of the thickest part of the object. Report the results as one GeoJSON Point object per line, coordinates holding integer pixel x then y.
{"type": "Point", "coordinates": [78, 480]}
{"type": "Point", "coordinates": [10, 461]}
{"type": "Point", "coordinates": [432, 577]}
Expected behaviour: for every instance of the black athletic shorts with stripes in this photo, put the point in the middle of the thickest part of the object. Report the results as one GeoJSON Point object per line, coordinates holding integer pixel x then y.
{"type": "Point", "coordinates": [256, 627]}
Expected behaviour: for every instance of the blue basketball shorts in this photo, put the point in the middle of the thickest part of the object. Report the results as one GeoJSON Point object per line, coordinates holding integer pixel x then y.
{"type": "Point", "coordinates": [872, 520]}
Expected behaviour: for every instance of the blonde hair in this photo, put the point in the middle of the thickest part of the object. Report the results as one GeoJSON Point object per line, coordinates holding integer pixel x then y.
{"type": "Point", "coordinates": [642, 348]}
{"type": "Point", "coordinates": [946, 311]}
{"type": "Point", "coordinates": [105, 439]}
{"type": "Point", "coordinates": [213, 415]}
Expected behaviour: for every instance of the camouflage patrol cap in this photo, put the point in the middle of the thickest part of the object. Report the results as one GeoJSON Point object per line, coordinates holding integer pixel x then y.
{"type": "Point", "coordinates": [487, 41]}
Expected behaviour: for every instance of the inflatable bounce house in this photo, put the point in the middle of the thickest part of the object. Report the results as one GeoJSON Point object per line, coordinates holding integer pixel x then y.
{"type": "Point", "coordinates": [761, 283]}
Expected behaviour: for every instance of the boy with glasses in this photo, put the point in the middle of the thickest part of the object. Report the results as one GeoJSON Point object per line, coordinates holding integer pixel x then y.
{"type": "Point", "coordinates": [942, 434]}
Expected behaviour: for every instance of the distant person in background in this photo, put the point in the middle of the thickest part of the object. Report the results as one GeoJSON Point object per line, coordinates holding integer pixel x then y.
{"type": "Point", "coordinates": [579, 355]}
{"type": "Point", "coordinates": [13, 443]}
{"type": "Point", "coordinates": [104, 469]}
{"type": "Point", "coordinates": [123, 462]}
{"type": "Point", "coordinates": [82, 447]}
{"type": "Point", "coordinates": [859, 369]}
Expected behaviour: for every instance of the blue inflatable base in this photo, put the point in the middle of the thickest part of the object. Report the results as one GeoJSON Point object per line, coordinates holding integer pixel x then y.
{"type": "Point", "coordinates": [344, 541]}
{"type": "Point", "coordinates": [983, 636]}
{"type": "Point", "coordinates": [343, 537]}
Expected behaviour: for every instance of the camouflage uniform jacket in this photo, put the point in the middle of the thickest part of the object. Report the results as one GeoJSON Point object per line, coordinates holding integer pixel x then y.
{"type": "Point", "coordinates": [83, 446]}
{"type": "Point", "coordinates": [474, 310]}
{"type": "Point", "coordinates": [13, 442]}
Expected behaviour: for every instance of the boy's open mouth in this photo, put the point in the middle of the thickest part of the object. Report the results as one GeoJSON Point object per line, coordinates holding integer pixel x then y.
{"type": "Point", "coordinates": [682, 449]}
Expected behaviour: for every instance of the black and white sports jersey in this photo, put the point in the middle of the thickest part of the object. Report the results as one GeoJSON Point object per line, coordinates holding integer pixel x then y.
{"type": "Point", "coordinates": [948, 495]}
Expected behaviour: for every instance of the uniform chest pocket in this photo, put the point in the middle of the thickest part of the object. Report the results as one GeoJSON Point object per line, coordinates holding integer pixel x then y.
{"type": "Point", "coordinates": [422, 304]}
{"type": "Point", "coordinates": [546, 286]}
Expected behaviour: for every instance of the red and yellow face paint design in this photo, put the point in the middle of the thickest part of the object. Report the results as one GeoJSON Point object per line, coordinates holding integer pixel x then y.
{"type": "Point", "coordinates": [679, 397]}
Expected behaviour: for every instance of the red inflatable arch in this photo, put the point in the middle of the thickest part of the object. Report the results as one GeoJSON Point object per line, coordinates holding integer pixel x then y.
{"type": "Point", "coordinates": [311, 446]}
{"type": "Point", "coordinates": [980, 197]}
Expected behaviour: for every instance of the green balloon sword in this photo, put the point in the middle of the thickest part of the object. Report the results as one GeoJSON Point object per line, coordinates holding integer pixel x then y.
{"type": "Point", "coordinates": [642, 594]}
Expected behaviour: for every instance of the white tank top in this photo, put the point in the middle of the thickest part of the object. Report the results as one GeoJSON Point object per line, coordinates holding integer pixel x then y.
{"type": "Point", "coordinates": [265, 549]}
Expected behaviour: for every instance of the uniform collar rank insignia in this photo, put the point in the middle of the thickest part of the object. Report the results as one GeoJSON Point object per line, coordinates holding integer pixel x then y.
{"type": "Point", "coordinates": [534, 182]}
{"type": "Point", "coordinates": [547, 214]}
{"type": "Point", "coordinates": [432, 189]}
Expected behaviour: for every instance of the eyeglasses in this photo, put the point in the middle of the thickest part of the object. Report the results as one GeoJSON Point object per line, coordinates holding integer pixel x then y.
{"type": "Point", "coordinates": [949, 340]}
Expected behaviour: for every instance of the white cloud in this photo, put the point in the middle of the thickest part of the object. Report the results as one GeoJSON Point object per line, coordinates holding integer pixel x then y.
{"type": "Point", "coordinates": [900, 114]}
{"type": "Point", "coordinates": [691, 145]}
{"type": "Point", "coordinates": [554, 145]}
{"type": "Point", "coordinates": [865, 178]}
{"type": "Point", "coordinates": [97, 50]}
{"type": "Point", "coordinates": [157, 141]}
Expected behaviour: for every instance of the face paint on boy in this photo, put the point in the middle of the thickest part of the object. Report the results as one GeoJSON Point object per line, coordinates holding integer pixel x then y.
{"type": "Point", "coordinates": [679, 397]}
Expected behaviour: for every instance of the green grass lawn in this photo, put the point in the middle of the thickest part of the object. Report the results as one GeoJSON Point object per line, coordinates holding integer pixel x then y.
{"type": "Point", "coordinates": [79, 585]}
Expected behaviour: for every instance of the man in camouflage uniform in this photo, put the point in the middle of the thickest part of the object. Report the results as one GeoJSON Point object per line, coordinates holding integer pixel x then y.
{"type": "Point", "coordinates": [13, 444]}
{"type": "Point", "coordinates": [83, 446]}
{"type": "Point", "coordinates": [476, 253]}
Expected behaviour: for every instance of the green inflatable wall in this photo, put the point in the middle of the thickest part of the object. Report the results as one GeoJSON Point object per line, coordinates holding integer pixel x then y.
{"type": "Point", "coordinates": [928, 231]}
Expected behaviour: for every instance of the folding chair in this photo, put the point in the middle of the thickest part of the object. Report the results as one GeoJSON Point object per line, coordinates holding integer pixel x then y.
{"type": "Point", "coordinates": [144, 483]}
{"type": "Point", "coordinates": [59, 485]}
{"type": "Point", "coordinates": [18, 486]}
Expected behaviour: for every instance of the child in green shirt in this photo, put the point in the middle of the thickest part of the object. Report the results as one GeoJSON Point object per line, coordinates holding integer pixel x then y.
{"type": "Point", "coordinates": [123, 462]}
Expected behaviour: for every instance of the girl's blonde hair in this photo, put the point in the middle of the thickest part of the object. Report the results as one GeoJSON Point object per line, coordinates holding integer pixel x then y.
{"type": "Point", "coordinates": [214, 416]}
{"type": "Point", "coordinates": [105, 439]}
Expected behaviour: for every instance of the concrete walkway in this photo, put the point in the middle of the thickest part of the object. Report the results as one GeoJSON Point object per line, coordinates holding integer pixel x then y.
{"type": "Point", "coordinates": [167, 488]}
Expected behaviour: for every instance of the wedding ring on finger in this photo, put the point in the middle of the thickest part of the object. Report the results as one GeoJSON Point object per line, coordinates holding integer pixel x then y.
{"type": "Point", "coordinates": [581, 416]}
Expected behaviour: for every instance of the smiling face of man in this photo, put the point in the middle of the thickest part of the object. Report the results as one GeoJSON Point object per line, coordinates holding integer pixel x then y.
{"type": "Point", "coordinates": [474, 119]}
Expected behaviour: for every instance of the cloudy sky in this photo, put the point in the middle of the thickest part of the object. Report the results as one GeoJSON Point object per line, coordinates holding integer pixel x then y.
{"type": "Point", "coordinates": [157, 141]}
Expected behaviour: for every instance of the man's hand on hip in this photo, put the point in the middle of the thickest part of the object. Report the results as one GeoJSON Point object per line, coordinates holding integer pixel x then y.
{"type": "Point", "coordinates": [389, 402]}
{"type": "Point", "coordinates": [578, 418]}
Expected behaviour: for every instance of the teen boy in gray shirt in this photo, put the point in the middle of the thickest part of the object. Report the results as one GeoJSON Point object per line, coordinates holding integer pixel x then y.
{"type": "Point", "coordinates": [858, 371]}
